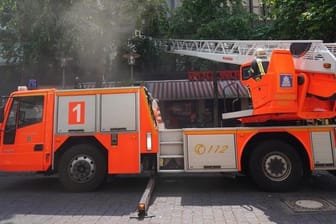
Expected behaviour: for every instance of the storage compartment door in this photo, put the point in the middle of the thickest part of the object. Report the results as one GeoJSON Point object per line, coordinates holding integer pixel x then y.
{"type": "Point", "coordinates": [211, 152]}
{"type": "Point", "coordinates": [118, 112]}
{"type": "Point", "coordinates": [76, 114]}
{"type": "Point", "coordinates": [322, 148]}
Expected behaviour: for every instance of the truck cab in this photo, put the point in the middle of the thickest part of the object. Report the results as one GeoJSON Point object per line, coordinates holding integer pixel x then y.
{"type": "Point", "coordinates": [83, 135]}
{"type": "Point", "coordinates": [25, 126]}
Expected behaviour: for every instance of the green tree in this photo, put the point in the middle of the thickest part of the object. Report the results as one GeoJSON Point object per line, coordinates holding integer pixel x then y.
{"type": "Point", "coordinates": [152, 22]}
{"type": "Point", "coordinates": [152, 17]}
{"type": "Point", "coordinates": [8, 31]}
{"type": "Point", "coordinates": [302, 19]}
{"type": "Point", "coordinates": [212, 19]}
{"type": "Point", "coordinates": [94, 30]}
{"type": "Point", "coordinates": [86, 33]}
{"type": "Point", "coordinates": [31, 32]}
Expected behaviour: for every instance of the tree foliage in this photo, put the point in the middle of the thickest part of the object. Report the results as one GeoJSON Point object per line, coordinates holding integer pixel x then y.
{"type": "Point", "coordinates": [302, 19]}
{"type": "Point", "coordinates": [93, 31]}
{"type": "Point", "coordinates": [152, 21]}
{"type": "Point", "coordinates": [212, 19]}
{"type": "Point", "coordinates": [82, 34]}
{"type": "Point", "coordinates": [152, 17]}
{"type": "Point", "coordinates": [92, 34]}
{"type": "Point", "coordinates": [34, 25]}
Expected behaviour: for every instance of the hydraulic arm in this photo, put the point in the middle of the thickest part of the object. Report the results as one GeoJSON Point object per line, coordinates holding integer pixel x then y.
{"type": "Point", "coordinates": [300, 82]}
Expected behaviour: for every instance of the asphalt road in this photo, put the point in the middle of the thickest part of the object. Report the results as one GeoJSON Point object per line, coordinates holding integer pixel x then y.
{"type": "Point", "coordinates": [30, 198]}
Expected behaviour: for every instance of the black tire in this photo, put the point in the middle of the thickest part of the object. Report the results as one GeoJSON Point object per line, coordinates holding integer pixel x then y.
{"type": "Point", "coordinates": [275, 165]}
{"type": "Point", "coordinates": [82, 168]}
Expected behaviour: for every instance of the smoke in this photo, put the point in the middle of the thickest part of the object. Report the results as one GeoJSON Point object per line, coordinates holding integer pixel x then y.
{"type": "Point", "coordinates": [96, 29]}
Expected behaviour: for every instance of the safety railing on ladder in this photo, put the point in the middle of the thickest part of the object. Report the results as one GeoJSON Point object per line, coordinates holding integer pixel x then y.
{"type": "Point", "coordinates": [331, 47]}
{"type": "Point", "coordinates": [309, 55]}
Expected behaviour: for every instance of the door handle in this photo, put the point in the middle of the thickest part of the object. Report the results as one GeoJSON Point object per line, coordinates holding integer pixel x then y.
{"type": "Point", "coordinates": [38, 147]}
{"type": "Point", "coordinates": [114, 139]}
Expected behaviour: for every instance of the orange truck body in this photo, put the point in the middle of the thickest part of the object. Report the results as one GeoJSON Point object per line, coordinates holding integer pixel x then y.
{"type": "Point", "coordinates": [35, 145]}
{"type": "Point", "coordinates": [121, 125]}
{"type": "Point", "coordinates": [86, 134]}
{"type": "Point", "coordinates": [285, 93]}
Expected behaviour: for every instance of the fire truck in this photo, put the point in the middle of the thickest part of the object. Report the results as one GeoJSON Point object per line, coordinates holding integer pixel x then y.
{"type": "Point", "coordinates": [84, 135]}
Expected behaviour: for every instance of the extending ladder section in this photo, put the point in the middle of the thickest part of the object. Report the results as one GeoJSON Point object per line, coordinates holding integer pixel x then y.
{"type": "Point", "coordinates": [309, 55]}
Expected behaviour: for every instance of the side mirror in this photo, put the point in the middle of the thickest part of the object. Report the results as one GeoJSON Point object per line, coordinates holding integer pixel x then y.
{"type": "Point", "coordinates": [1, 114]}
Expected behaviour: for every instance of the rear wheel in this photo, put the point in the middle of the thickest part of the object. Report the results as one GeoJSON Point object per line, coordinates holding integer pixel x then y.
{"type": "Point", "coordinates": [275, 166]}
{"type": "Point", "coordinates": [82, 168]}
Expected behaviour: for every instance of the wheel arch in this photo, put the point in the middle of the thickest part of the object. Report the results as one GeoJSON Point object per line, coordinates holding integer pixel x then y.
{"type": "Point", "coordinates": [282, 136]}
{"type": "Point", "coordinates": [76, 140]}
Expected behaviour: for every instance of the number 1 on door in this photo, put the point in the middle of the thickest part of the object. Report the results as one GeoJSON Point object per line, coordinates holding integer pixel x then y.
{"type": "Point", "coordinates": [76, 112]}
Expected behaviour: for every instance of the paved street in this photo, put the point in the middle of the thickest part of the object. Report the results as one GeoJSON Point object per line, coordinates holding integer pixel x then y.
{"type": "Point", "coordinates": [30, 198]}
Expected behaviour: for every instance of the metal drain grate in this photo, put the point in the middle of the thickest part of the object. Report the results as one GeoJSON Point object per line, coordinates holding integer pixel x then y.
{"type": "Point", "coordinates": [308, 204]}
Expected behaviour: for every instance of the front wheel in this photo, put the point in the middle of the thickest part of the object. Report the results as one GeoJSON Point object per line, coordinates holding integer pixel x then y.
{"type": "Point", "coordinates": [275, 166]}
{"type": "Point", "coordinates": [82, 168]}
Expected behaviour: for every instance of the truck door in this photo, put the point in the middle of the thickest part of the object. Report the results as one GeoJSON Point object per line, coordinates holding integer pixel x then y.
{"type": "Point", "coordinates": [23, 145]}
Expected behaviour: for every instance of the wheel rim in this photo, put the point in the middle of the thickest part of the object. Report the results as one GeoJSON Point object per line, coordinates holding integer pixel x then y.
{"type": "Point", "coordinates": [277, 166]}
{"type": "Point", "coordinates": [82, 169]}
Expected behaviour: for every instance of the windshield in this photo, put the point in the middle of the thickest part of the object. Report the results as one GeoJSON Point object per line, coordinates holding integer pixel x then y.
{"type": "Point", "coordinates": [245, 72]}
{"type": "Point", "coordinates": [1, 114]}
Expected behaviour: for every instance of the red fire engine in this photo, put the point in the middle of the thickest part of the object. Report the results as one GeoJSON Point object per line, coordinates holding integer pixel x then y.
{"type": "Point", "coordinates": [86, 134]}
